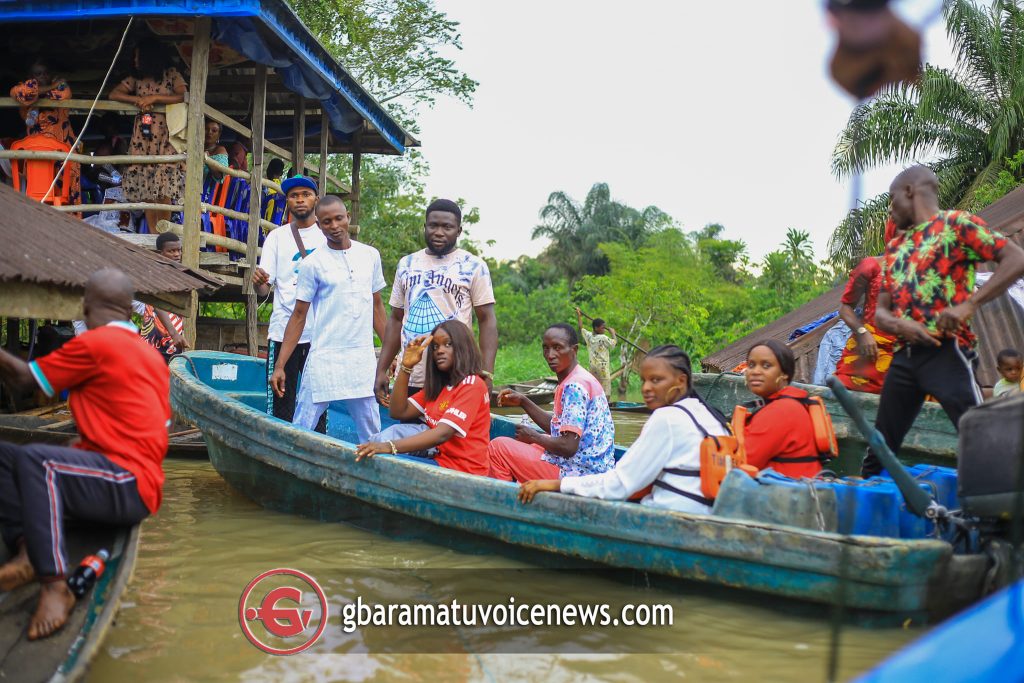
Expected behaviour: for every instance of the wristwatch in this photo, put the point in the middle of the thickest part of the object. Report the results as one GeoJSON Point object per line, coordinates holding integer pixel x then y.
{"type": "Point", "coordinates": [862, 330]}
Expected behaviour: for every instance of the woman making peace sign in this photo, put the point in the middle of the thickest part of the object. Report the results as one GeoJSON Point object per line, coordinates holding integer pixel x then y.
{"type": "Point", "coordinates": [454, 403]}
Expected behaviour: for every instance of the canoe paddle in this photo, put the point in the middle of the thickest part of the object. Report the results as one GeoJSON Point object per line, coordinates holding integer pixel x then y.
{"type": "Point", "coordinates": [919, 502]}
{"type": "Point", "coordinates": [617, 336]}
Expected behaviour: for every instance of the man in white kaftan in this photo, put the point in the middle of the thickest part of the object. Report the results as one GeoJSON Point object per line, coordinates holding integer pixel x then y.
{"type": "Point", "coordinates": [342, 284]}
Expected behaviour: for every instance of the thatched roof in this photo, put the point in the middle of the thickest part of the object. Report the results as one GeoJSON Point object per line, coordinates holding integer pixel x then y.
{"type": "Point", "coordinates": [998, 325]}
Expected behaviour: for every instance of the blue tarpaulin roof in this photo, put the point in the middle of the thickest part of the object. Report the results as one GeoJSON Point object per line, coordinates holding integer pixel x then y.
{"type": "Point", "coordinates": [304, 66]}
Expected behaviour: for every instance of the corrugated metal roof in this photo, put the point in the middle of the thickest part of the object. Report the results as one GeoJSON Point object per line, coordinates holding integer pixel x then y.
{"type": "Point", "coordinates": [998, 325]}
{"type": "Point", "coordinates": [44, 246]}
{"type": "Point", "coordinates": [736, 353]}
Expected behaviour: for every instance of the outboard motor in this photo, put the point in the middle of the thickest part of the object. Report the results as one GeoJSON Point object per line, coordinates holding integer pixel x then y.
{"type": "Point", "coordinates": [991, 458]}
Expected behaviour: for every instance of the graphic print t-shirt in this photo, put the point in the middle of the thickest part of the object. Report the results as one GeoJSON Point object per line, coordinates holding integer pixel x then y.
{"type": "Point", "coordinates": [280, 258]}
{"type": "Point", "coordinates": [433, 289]}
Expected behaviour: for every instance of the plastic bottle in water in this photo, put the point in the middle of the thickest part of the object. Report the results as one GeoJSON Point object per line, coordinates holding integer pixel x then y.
{"type": "Point", "coordinates": [33, 116]}
{"type": "Point", "coordinates": [146, 126]}
{"type": "Point", "coordinates": [85, 576]}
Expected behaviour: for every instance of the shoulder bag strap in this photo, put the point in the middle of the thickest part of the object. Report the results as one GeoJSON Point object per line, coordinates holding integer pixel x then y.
{"type": "Point", "coordinates": [298, 240]}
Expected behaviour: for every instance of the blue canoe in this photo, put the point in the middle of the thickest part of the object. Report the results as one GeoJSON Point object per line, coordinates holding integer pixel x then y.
{"type": "Point", "coordinates": [297, 471]}
{"type": "Point", "coordinates": [984, 644]}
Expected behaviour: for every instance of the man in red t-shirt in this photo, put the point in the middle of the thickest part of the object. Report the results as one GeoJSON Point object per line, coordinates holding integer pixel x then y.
{"type": "Point", "coordinates": [119, 395]}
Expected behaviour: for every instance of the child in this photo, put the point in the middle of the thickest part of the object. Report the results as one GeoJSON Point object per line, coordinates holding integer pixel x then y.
{"type": "Point", "coordinates": [1010, 364]}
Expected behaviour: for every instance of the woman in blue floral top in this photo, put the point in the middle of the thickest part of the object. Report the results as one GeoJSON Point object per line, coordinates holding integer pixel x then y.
{"type": "Point", "coordinates": [580, 435]}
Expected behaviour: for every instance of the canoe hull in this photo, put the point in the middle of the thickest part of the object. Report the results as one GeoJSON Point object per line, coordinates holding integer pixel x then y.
{"type": "Point", "coordinates": [297, 471]}
{"type": "Point", "coordinates": [66, 655]}
{"type": "Point", "coordinates": [540, 391]}
{"type": "Point", "coordinates": [23, 429]}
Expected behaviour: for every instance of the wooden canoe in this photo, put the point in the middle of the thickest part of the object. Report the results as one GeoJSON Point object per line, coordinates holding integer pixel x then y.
{"type": "Point", "coordinates": [65, 656]}
{"type": "Point", "coordinates": [58, 427]}
{"type": "Point", "coordinates": [294, 470]}
{"type": "Point", "coordinates": [540, 391]}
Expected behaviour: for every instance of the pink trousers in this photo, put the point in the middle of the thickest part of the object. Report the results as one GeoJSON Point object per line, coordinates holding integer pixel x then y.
{"type": "Point", "coordinates": [513, 460]}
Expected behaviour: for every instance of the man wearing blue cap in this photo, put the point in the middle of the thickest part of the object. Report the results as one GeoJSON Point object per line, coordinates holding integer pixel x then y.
{"type": "Point", "coordinates": [283, 251]}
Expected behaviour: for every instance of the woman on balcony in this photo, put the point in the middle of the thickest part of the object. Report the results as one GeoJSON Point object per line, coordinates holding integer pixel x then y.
{"type": "Point", "coordinates": [153, 81]}
{"type": "Point", "coordinates": [33, 94]}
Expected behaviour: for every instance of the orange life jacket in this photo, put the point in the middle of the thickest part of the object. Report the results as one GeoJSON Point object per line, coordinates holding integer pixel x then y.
{"type": "Point", "coordinates": [718, 455]}
{"type": "Point", "coordinates": [821, 423]}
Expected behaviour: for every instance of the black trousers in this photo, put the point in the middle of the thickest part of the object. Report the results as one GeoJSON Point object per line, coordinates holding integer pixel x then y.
{"type": "Point", "coordinates": [946, 372]}
{"type": "Point", "coordinates": [283, 407]}
{"type": "Point", "coordinates": [41, 484]}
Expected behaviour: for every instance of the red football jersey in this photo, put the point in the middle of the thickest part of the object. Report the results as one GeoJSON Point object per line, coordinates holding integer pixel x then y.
{"type": "Point", "coordinates": [120, 398]}
{"type": "Point", "coordinates": [466, 408]}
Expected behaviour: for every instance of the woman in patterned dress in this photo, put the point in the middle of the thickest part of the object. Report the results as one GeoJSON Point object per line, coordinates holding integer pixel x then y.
{"type": "Point", "coordinates": [868, 352]}
{"type": "Point", "coordinates": [153, 81]}
{"type": "Point", "coordinates": [580, 436]}
{"type": "Point", "coordinates": [32, 95]}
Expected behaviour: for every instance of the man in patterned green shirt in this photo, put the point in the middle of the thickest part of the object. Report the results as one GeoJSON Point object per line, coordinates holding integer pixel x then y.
{"type": "Point", "coordinates": [599, 344]}
{"type": "Point", "coordinates": [927, 300]}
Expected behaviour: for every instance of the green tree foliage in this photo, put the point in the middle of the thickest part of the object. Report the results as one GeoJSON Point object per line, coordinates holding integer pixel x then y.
{"type": "Point", "coordinates": [968, 119]}
{"type": "Point", "coordinates": [727, 257]}
{"type": "Point", "coordinates": [672, 291]}
{"type": "Point", "coordinates": [393, 48]}
{"type": "Point", "coordinates": [1009, 179]}
{"type": "Point", "coordinates": [392, 205]}
{"type": "Point", "coordinates": [576, 230]}
{"type": "Point", "coordinates": [523, 316]}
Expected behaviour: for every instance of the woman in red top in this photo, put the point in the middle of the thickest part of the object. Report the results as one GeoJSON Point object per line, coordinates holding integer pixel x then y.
{"type": "Point", "coordinates": [868, 351]}
{"type": "Point", "coordinates": [454, 404]}
{"type": "Point", "coordinates": [780, 434]}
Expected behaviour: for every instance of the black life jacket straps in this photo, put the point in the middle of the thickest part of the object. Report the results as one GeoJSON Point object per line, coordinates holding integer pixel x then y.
{"type": "Point", "coordinates": [686, 494]}
{"type": "Point", "coordinates": [686, 471]}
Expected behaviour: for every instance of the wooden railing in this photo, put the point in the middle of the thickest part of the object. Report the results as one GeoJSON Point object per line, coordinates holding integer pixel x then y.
{"type": "Point", "coordinates": [211, 113]}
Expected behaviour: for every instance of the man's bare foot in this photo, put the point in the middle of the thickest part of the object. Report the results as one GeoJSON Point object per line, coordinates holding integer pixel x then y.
{"type": "Point", "coordinates": [16, 572]}
{"type": "Point", "coordinates": [55, 603]}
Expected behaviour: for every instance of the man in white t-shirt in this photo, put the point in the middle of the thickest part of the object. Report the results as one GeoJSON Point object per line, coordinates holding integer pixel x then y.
{"type": "Point", "coordinates": [279, 268]}
{"type": "Point", "coordinates": [341, 283]}
{"type": "Point", "coordinates": [433, 285]}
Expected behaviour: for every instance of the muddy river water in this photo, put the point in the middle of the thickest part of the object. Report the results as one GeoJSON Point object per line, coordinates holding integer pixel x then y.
{"type": "Point", "coordinates": [179, 620]}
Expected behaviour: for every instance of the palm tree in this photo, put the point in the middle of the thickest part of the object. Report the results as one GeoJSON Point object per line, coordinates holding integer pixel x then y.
{"type": "Point", "coordinates": [798, 246]}
{"type": "Point", "coordinates": [576, 230]}
{"type": "Point", "coordinates": [969, 120]}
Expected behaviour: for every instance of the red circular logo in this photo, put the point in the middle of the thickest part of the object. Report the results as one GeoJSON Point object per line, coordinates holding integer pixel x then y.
{"type": "Point", "coordinates": [282, 612]}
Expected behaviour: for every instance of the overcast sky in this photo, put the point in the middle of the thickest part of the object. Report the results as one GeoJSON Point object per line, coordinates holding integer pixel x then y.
{"type": "Point", "coordinates": [713, 111]}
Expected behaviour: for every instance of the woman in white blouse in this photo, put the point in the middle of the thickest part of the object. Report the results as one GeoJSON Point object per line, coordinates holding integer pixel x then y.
{"type": "Point", "coordinates": [667, 452]}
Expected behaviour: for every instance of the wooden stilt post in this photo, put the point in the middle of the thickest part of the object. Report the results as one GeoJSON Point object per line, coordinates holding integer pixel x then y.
{"type": "Point", "coordinates": [194, 162]}
{"type": "Point", "coordinates": [14, 335]}
{"type": "Point", "coordinates": [357, 159]}
{"type": "Point", "coordinates": [259, 111]}
{"type": "Point", "coordinates": [324, 138]}
{"type": "Point", "coordinates": [299, 143]}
